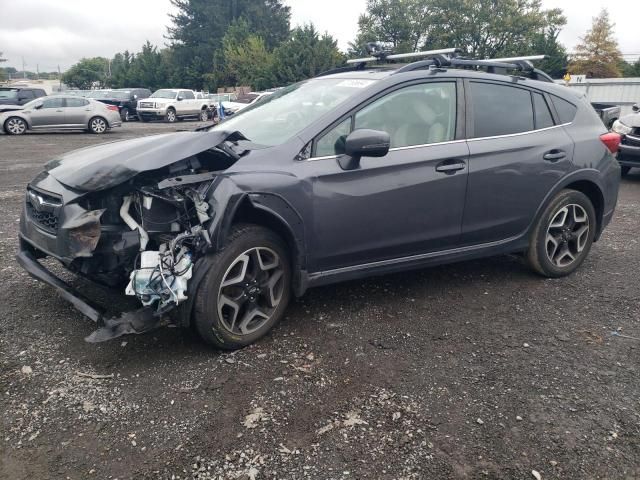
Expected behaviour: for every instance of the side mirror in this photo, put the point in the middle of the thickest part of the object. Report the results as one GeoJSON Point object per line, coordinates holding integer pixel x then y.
{"type": "Point", "coordinates": [135, 97]}
{"type": "Point", "coordinates": [636, 108]}
{"type": "Point", "coordinates": [180, 98]}
{"type": "Point", "coordinates": [38, 106]}
{"type": "Point", "coordinates": [364, 143]}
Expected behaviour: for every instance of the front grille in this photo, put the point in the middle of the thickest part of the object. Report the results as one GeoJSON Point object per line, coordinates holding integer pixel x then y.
{"type": "Point", "coordinates": [146, 105]}
{"type": "Point", "coordinates": [43, 210]}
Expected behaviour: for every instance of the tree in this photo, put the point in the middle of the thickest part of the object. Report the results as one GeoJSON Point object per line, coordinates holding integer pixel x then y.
{"type": "Point", "coordinates": [404, 24]}
{"type": "Point", "coordinates": [546, 43]}
{"type": "Point", "coordinates": [629, 69]}
{"type": "Point", "coordinates": [199, 27]}
{"type": "Point", "coordinates": [248, 62]}
{"type": "Point", "coordinates": [480, 28]}
{"type": "Point", "coordinates": [87, 73]}
{"type": "Point", "coordinates": [305, 55]}
{"type": "Point", "coordinates": [147, 69]}
{"type": "Point", "coordinates": [598, 55]}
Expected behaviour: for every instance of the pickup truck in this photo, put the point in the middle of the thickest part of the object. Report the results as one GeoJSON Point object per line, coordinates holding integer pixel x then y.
{"type": "Point", "coordinates": [629, 129]}
{"type": "Point", "coordinates": [173, 105]}
{"type": "Point", "coordinates": [608, 113]}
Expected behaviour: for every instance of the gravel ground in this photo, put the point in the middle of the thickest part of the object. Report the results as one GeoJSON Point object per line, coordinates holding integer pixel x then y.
{"type": "Point", "coordinates": [474, 370]}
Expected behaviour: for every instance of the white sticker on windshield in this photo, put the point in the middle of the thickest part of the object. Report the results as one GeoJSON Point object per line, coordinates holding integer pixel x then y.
{"type": "Point", "coordinates": [355, 83]}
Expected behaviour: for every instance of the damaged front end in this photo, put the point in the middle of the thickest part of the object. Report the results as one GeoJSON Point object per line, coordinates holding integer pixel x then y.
{"type": "Point", "coordinates": [142, 228]}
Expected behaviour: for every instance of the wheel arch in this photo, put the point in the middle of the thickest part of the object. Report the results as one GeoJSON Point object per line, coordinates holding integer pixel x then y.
{"type": "Point", "coordinates": [273, 212]}
{"type": "Point", "coordinates": [584, 181]}
{"type": "Point", "coordinates": [268, 210]}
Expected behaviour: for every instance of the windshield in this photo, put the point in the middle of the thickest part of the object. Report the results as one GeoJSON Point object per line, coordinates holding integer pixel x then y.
{"type": "Point", "coordinates": [164, 94]}
{"type": "Point", "coordinates": [97, 94]}
{"type": "Point", "coordinates": [8, 93]}
{"type": "Point", "coordinates": [278, 117]}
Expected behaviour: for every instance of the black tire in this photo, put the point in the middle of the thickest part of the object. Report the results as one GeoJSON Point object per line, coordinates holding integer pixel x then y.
{"type": "Point", "coordinates": [624, 171]}
{"type": "Point", "coordinates": [125, 115]}
{"type": "Point", "coordinates": [170, 116]}
{"type": "Point", "coordinates": [207, 313]}
{"type": "Point", "coordinates": [204, 115]}
{"type": "Point", "coordinates": [541, 248]}
{"type": "Point", "coordinates": [98, 125]}
{"type": "Point", "coordinates": [15, 126]}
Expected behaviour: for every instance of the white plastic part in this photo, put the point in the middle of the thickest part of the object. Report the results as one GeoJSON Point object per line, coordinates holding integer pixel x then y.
{"type": "Point", "coordinates": [400, 56]}
{"type": "Point", "coordinates": [516, 59]}
{"type": "Point", "coordinates": [132, 224]}
{"type": "Point", "coordinates": [144, 282]}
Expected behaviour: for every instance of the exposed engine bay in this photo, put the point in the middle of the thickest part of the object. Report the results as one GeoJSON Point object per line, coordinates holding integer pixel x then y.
{"type": "Point", "coordinates": [144, 234]}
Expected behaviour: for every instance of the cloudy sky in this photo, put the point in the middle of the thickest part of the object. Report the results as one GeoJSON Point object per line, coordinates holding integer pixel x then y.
{"type": "Point", "coordinates": [48, 33]}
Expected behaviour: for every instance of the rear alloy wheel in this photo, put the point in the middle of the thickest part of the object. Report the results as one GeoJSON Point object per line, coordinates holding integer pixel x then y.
{"type": "Point", "coordinates": [246, 289]}
{"type": "Point", "coordinates": [98, 125]}
{"type": "Point", "coordinates": [171, 115]}
{"type": "Point", "coordinates": [15, 126]}
{"type": "Point", "coordinates": [124, 115]}
{"type": "Point", "coordinates": [564, 235]}
{"type": "Point", "coordinates": [204, 115]}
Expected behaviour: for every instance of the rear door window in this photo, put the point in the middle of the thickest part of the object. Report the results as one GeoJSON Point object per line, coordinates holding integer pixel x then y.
{"type": "Point", "coordinates": [77, 102]}
{"type": "Point", "coordinates": [500, 110]}
{"type": "Point", "coordinates": [187, 95]}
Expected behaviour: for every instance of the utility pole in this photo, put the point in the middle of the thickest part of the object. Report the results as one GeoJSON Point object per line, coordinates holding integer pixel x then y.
{"type": "Point", "coordinates": [37, 71]}
{"type": "Point", "coordinates": [24, 74]}
{"type": "Point", "coordinates": [59, 79]}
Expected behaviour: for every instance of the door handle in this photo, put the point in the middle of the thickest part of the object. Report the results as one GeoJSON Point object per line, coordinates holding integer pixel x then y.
{"type": "Point", "coordinates": [450, 166]}
{"type": "Point", "coordinates": [554, 155]}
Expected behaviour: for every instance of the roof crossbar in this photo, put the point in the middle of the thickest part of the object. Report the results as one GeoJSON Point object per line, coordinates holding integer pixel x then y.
{"type": "Point", "coordinates": [385, 55]}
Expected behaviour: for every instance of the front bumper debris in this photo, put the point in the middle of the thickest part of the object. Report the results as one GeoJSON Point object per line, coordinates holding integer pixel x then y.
{"type": "Point", "coordinates": [138, 321]}
{"type": "Point", "coordinates": [28, 261]}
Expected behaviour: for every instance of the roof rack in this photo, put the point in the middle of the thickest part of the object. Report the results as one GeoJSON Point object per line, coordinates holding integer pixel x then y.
{"type": "Point", "coordinates": [446, 57]}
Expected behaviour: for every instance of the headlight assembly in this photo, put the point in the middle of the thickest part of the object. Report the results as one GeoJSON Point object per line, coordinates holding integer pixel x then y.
{"type": "Point", "coordinates": [621, 128]}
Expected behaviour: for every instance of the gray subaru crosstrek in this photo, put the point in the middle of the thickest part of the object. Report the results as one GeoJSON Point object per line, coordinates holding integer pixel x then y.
{"type": "Point", "coordinates": [359, 172]}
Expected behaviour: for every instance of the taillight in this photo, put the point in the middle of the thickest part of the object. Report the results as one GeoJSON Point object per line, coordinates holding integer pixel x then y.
{"type": "Point", "coordinates": [611, 140]}
{"type": "Point", "coordinates": [112, 107]}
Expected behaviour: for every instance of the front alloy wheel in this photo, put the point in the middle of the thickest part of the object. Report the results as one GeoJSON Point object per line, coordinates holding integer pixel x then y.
{"type": "Point", "coordinates": [171, 115]}
{"type": "Point", "coordinates": [15, 126]}
{"type": "Point", "coordinates": [246, 288]}
{"type": "Point", "coordinates": [251, 290]}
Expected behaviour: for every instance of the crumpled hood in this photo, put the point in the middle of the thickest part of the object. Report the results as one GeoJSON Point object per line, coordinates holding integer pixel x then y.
{"type": "Point", "coordinates": [105, 166]}
{"type": "Point", "coordinates": [631, 120]}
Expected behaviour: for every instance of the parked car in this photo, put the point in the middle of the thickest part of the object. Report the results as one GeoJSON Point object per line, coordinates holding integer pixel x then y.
{"type": "Point", "coordinates": [351, 174]}
{"type": "Point", "coordinates": [126, 99]}
{"type": "Point", "coordinates": [173, 105]}
{"type": "Point", "coordinates": [19, 96]}
{"type": "Point", "coordinates": [61, 112]}
{"type": "Point", "coordinates": [243, 101]}
{"type": "Point", "coordinates": [629, 128]}
{"type": "Point", "coordinates": [608, 113]}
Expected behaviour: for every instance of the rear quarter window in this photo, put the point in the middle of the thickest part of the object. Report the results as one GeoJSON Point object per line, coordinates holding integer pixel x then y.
{"type": "Point", "coordinates": [566, 110]}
